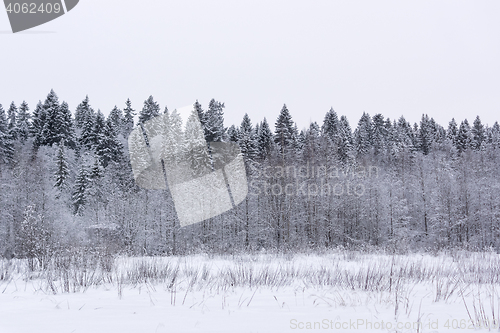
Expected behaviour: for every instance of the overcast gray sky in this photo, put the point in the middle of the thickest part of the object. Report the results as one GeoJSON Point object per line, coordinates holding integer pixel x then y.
{"type": "Point", "coordinates": [390, 57]}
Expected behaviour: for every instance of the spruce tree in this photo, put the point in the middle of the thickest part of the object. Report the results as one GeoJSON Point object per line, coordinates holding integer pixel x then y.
{"type": "Point", "coordinates": [363, 135]}
{"type": "Point", "coordinates": [12, 123]}
{"type": "Point", "coordinates": [51, 127]}
{"type": "Point", "coordinates": [214, 122]}
{"type": "Point", "coordinates": [150, 110]}
{"type": "Point", "coordinates": [128, 118]}
{"type": "Point", "coordinates": [86, 139]}
{"type": "Point", "coordinates": [330, 126]}
{"type": "Point", "coordinates": [23, 122]}
{"type": "Point", "coordinates": [195, 145]}
{"type": "Point", "coordinates": [345, 146]}
{"type": "Point", "coordinates": [478, 134]}
{"type": "Point", "coordinates": [265, 139]}
{"type": "Point", "coordinates": [465, 139]}
{"type": "Point", "coordinates": [62, 168]}
{"type": "Point", "coordinates": [6, 144]}
{"type": "Point", "coordinates": [108, 147]}
{"type": "Point", "coordinates": [83, 112]}
{"type": "Point", "coordinates": [65, 131]}
{"type": "Point", "coordinates": [425, 135]}
{"type": "Point", "coordinates": [233, 134]}
{"type": "Point", "coordinates": [284, 131]}
{"type": "Point", "coordinates": [97, 133]}
{"type": "Point", "coordinates": [247, 139]}
{"type": "Point", "coordinates": [452, 132]}
{"type": "Point", "coordinates": [379, 134]}
{"type": "Point", "coordinates": [201, 115]}
{"type": "Point", "coordinates": [116, 119]}
{"type": "Point", "coordinates": [80, 190]}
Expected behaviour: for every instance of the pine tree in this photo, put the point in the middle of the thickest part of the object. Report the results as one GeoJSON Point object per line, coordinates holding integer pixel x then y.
{"type": "Point", "coordinates": [247, 139]}
{"type": "Point", "coordinates": [62, 168]}
{"type": "Point", "coordinates": [80, 190]}
{"type": "Point", "coordinates": [150, 110]}
{"type": "Point", "coordinates": [23, 122]}
{"type": "Point", "coordinates": [214, 122]}
{"type": "Point", "coordinates": [265, 139]}
{"type": "Point", "coordinates": [12, 123]}
{"type": "Point", "coordinates": [478, 134]}
{"type": "Point", "coordinates": [128, 118]}
{"type": "Point", "coordinates": [50, 131]}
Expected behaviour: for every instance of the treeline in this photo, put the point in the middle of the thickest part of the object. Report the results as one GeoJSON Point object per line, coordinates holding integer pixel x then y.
{"type": "Point", "coordinates": [66, 183]}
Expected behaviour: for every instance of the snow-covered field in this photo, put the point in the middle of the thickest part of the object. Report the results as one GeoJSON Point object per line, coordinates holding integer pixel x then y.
{"type": "Point", "coordinates": [335, 292]}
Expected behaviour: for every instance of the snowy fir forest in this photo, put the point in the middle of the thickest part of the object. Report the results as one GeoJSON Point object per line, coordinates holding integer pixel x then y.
{"type": "Point", "coordinates": [67, 184]}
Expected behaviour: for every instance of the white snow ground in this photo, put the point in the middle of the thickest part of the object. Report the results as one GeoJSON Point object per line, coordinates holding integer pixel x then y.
{"type": "Point", "coordinates": [335, 292]}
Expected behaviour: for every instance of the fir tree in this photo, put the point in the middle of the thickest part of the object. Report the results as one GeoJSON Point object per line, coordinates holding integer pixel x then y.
{"type": "Point", "coordinates": [23, 122]}
{"type": "Point", "coordinates": [150, 110]}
